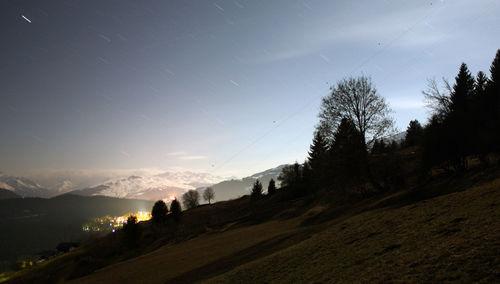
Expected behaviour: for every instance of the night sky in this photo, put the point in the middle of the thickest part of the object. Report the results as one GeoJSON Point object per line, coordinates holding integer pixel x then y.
{"type": "Point", "coordinates": [227, 87]}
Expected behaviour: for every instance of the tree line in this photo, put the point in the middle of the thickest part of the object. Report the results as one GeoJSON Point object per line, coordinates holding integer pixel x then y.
{"type": "Point", "coordinates": [346, 150]}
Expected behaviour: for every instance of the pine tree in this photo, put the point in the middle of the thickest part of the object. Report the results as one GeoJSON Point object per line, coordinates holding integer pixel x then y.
{"type": "Point", "coordinates": [256, 190]}
{"type": "Point", "coordinates": [481, 82]}
{"type": "Point", "coordinates": [482, 126]}
{"type": "Point", "coordinates": [379, 146]}
{"type": "Point", "coordinates": [495, 71]}
{"type": "Point", "coordinates": [414, 133]}
{"type": "Point", "coordinates": [493, 94]}
{"type": "Point", "coordinates": [318, 158]}
{"type": "Point", "coordinates": [307, 175]}
{"type": "Point", "coordinates": [463, 90]}
{"type": "Point", "coordinates": [132, 231]}
{"type": "Point", "coordinates": [159, 212]}
{"type": "Point", "coordinates": [460, 126]}
{"type": "Point", "coordinates": [175, 210]}
{"type": "Point", "coordinates": [348, 154]}
{"type": "Point", "coordinates": [271, 188]}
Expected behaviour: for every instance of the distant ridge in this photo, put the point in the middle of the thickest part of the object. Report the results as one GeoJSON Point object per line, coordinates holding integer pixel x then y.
{"type": "Point", "coordinates": [7, 194]}
{"type": "Point", "coordinates": [230, 189]}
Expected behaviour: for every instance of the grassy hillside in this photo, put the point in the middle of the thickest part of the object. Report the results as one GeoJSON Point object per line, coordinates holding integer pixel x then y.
{"type": "Point", "coordinates": [448, 237]}
{"type": "Point", "coordinates": [455, 237]}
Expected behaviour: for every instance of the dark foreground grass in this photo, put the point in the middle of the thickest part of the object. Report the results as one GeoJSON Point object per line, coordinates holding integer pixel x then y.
{"type": "Point", "coordinates": [455, 237]}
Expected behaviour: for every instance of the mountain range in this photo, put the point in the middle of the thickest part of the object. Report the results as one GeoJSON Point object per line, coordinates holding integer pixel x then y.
{"type": "Point", "coordinates": [165, 185]}
{"type": "Point", "coordinates": [173, 184]}
{"type": "Point", "coordinates": [23, 187]}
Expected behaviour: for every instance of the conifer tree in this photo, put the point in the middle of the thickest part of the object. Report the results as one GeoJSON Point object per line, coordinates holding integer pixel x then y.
{"type": "Point", "coordinates": [159, 212]}
{"type": "Point", "coordinates": [256, 190]}
{"type": "Point", "coordinates": [175, 210]}
{"type": "Point", "coordinates": [493, 94]}
{"type": "Point", "coordinates": [463, 90]}
{"type": "Point", "coordinates": [414, 133]}
{"type": "Point", "coordinates": [495, 71]}
{"type": "Point", "coordinates": [460, 126]}
{"type": "Point", "coordinates": [348, 154]}
{"type": "Point", "coordinates": [271, 188]}
{"type": "Point", "coordinates": [481, 82]}
{"type": "Point", "coordinates": [318, 158]}
{"type": "Point", "coordinates": [482, 125]}
{"type": "Point", "coordinates": [307, 175]}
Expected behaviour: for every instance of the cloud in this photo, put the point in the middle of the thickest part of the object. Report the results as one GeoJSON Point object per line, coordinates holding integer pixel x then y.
{"type": "Point", "coordinates": [406, 104]}
{"type": "Point", "coordinates": [178, 153]}
{"type": "Point", "coordinates": [192, 157]}
{"type": "Point", "coordinates": [181, 155]}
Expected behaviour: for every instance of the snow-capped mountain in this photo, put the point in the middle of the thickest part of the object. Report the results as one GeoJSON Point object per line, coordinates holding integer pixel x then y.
{"type": "Point", "coordinates": [274, 172]}
{"type": "Point", "coordinates": [191, 179]}
{"type": "Point", "coordinates": [22, 186]}
{"type": "Point", "coordinates": [170, 184]}
{"type": "Point", "coordinates": [161, 186]}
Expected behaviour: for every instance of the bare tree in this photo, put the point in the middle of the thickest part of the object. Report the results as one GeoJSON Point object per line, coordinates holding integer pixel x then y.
{"type": "Point", "coordinates": [191, 199]}
{"type": "Point", "coordinates": [439, 101]}
{"type": "Point", "coordinates": [208, 194]}
{"type": "Point", "coordinates": [358, 100]}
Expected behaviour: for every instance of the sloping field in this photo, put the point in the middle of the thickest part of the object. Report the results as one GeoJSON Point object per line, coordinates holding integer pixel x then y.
{"type": "Point", "coordinates": [224, 250]}
{"type": "Point", "coordinates": [455, 237]}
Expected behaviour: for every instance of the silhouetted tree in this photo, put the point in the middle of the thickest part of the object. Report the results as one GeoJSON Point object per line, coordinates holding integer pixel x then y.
{"type": "Point", "coordinates": [191, 199]}
{"type": "Point", "coordinates": [318, 158]}
{"type": "Point", "coordinates": [438, 100]}
{"type": "Point", "coordinates": [271, 187]}
{"type": "Point", "coordinates": [459, 126]}
{"type": "Point", "coordinates": [132, 231]}
{"type": "Point", "coordinates": [481, 83]}
{"type": "Point", "coordinates": [357, 100]}
{"type": "Point", "coordinates": [379, 146]}
{"type": "Point", "coordinates": [449, 137]}
{"type": "Point", "coordinates": [307, 174]}
{"type": "Point", "coordinates": [452, 132]}
{"type": "Point", "coordinates": [290, 175]}
{"type": "Point", "coordinates": [482, 126]}
{"type": "Point", "coordinates": [159, 212]}
{"type": "Point", "coordinates": [414, 133]}
{"type": "Point", "coordinates": [463, 90]}
{"type": "Point", "coordinates": [493, 98]}
{"type": "Point", "coordinates": [256, 190]}
{"type": "Point", "coordinates": [348, 155]}
{"type": "Point", "coordinates": [393, 146]}
{"type": "Point", "coordinates": [208, 194]}
{"type": "Point", "coordinates": [175, 210]}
